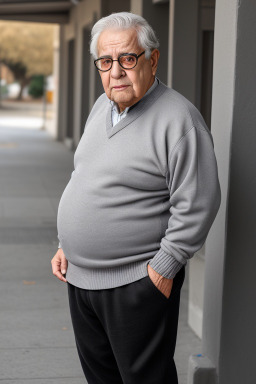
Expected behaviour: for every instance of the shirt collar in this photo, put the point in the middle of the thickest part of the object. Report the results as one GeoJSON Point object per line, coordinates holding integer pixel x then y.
{"type": "Point", "coordinates": [125, 111]}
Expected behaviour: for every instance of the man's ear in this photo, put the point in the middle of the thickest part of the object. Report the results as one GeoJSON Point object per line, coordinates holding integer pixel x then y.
{"type": "Point", "coordinates": [154, 60]}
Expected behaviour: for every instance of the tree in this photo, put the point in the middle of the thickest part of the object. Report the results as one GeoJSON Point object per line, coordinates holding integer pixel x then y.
{"type": "Point", "coordinates": [19, 70]}
{"type": "Point", "coordinates": [27, 49]}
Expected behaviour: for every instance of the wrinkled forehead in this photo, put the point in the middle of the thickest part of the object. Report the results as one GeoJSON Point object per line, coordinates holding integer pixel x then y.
{"type": "Point", "coordinates": [117, 41]}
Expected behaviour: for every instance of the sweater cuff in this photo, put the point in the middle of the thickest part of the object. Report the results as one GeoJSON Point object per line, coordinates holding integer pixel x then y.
{"type": "Point", "coordinates": [165, 264]}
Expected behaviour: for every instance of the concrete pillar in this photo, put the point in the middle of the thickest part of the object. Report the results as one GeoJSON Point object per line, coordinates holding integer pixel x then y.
{"type": "Point", "coordinates": [157, 14]}
{"type": "Point", "coordinates": [56, 64]}
{"type": "Point", "coordinates": [61, 104]}
{"type": "Point", "coordinates": [136, 6]}
{"type": "Point", "coordinates": [230, 286]}
{"type": "Point", "coordinates": [184, 48]}
{"type": "Point", "coordinates": [171, 43]}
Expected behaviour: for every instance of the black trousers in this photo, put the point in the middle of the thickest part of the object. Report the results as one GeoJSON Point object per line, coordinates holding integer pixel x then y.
{"type": "Point", "coordinates": [127, 334]}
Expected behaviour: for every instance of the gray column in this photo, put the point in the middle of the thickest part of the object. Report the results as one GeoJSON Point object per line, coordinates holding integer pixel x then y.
{"type": "Point", "coordinates": [61, 106]}
{"type": "Point", "coordinates": [230, 286]}
{"type": "Point", "coordinates": [157, 14]}
{"type": "Point", "coordinates": [184, 61]}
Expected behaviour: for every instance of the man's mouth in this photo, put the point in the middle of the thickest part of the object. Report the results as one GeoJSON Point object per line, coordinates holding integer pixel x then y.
{"type": "Point", "coordinates": [120, 87]}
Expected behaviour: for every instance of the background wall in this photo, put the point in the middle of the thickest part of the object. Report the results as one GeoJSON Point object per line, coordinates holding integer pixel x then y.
{"type": "Point", "coordinates": [237, 354]}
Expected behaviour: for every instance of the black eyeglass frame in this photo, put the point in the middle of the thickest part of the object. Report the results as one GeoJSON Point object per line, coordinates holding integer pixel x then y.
{"type": "Point", "coordinates": [118, 59]}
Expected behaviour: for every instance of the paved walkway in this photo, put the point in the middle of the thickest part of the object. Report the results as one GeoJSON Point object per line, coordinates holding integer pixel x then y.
{"type": "Point", "coordinates": [36, 337]}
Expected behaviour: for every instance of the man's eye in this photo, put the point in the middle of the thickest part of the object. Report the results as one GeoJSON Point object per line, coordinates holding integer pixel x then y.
{"type": "Point", "coordinates": [129, 59]}
{"type": "Point", "coordinates": [105, 61]}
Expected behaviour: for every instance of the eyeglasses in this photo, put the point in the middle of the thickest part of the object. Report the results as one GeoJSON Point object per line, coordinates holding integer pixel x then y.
{"type": "Point", "coordinates": [126, 61]}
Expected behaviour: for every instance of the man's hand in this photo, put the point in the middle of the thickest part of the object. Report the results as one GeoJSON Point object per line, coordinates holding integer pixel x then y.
{"type": "Point", "coordinates": [162, 283]}
{"type": "Point", "coordinates": [59, 265]}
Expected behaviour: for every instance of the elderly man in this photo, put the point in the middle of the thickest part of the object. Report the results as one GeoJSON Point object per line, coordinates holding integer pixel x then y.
{"type": "Point", "coordinates": [140, 202]}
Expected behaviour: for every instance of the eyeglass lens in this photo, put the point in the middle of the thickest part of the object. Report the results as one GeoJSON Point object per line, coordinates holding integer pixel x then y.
{"type": "Point", "coordinates": [126, 61]}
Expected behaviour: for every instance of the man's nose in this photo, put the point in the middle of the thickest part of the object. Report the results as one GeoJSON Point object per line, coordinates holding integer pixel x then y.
{"type": "Point", "coordinates": [116, 71]}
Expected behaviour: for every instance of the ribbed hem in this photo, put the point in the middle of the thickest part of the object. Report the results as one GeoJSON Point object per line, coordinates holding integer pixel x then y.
{"type": "Point", "coordinates": [165, 264]}
{"type": "Point", "coordinates": [103, 278]}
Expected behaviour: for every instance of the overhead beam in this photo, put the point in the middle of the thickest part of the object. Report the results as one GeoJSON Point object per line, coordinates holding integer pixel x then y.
{"type": "Point", "coordinates": [47, 7]}
{"type": "Point", "coordinates": [32, 1]}
{"type": "Point", "coordinates": [55, 18]}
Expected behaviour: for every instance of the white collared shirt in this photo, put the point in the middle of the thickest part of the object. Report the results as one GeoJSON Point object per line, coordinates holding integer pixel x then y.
{"type": "Point", "coordinates": [116, 116]}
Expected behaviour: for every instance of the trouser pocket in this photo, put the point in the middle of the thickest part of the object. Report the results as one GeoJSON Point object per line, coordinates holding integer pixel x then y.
{"type": "Point", "coordinates": [177, 284]}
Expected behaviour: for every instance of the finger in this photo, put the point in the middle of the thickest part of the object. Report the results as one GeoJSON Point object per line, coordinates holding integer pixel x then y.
{"type": "Point", "coordinates": [64, 265]}
{"type": "Point", "coordinates": [56, 270]}
{"type": "Point", "coordinates": [60, 277]}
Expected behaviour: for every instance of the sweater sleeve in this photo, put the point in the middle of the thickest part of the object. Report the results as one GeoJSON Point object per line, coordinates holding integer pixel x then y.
{"type": "Point", "coordinates": [192, 179]}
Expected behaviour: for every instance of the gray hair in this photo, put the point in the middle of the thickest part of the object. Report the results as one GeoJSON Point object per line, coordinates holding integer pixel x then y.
{"type": "Point", "coordinates": [125, 20]}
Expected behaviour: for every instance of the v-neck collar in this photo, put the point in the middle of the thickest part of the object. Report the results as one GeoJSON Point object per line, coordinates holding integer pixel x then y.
{"type": "Point", "coordinates": [134, 113]}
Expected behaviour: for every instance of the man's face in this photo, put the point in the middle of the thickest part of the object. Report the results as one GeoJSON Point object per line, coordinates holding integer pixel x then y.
{"type": "Point", "coordinates": [125, 87]}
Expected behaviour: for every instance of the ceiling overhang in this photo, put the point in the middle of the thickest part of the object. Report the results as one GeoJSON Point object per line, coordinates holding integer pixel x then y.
{"type": "Point", "coordinates": [47, 11]}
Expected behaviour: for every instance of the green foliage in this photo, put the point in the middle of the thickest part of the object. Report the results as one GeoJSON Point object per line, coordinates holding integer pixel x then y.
{"type": "Point", "coordinates": [36, 86]}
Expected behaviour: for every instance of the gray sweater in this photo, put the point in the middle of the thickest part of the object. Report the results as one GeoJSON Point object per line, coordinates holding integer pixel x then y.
{"type": "Point", "coordinates": [143, 191]}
